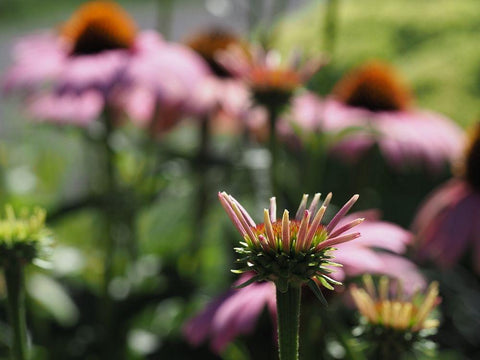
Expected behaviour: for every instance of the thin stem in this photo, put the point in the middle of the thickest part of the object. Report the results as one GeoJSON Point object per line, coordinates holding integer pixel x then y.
{"type": "Point", "coordinates": [14, 278]}
{"type": "Point", "coordinates": [330, 26]}
{"type": "Point", "coordinates": [273, 147]}
{"type": "Point", "coordinates": [288, 310]}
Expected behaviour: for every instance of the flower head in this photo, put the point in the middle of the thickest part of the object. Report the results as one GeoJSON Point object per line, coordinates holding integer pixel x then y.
{"type": "Point", "coordinates": [23, 237]}
{"type": "Point", "coordinates": [377, 251]}
{"type": "Point", "coordinates": [395, 325]}
{"type": "Point", "coordinates": [374, 86]}
{"type": "Point", "coordinates": [271, 81]}
{"type": "Point", "coordinates": [207, 44]}
{"type": "Point", "coordinates": [99, 26]}
{"type": "Point", "coordinates": [71, 74]}
{"type": "Point", "coordinates": [290, 251]}
{"type": "Point", "coordinates": [396, 312]}
{"type": "Point", "coordinates": [373, 101]}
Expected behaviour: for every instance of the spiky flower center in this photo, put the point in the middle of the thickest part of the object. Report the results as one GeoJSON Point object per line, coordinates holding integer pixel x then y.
{"type": "Point", "coordinates": [374, 86]}
{"type": "Point", "coordinates": [471, 166]}
{"type": "Point", "coordinates": [208, 44]}
{"type": "Point", "coordinates": [320, 233]}
{"type": "Point", "coordinates": [99, 26]}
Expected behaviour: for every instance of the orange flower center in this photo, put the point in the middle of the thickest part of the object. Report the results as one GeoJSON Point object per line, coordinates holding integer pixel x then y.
{"type": "Point", "coordinates": [284, 80]}
{"type": "Point", "coordinates": [208, 43]}
{"type": "Point", "coordinates": [277, 229]}
{"type": "Point", "coordinates": [98, 26]}
{"type": "Point", "coordinates": [374, 86]}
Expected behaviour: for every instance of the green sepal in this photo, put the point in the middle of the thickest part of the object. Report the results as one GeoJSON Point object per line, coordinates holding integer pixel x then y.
{"type": "Point", "coordinates": [317, 291]}
{"type": "Point", "coordinates": [325, 282]}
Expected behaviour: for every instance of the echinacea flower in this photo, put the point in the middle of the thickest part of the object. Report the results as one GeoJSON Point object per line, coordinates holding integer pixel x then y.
{"type": "Point", "coordinates": [373, 98]}
{"type": "Point", "coordinates": [271, 80]}
{"type": "Point", "coordinates": [23, 237]}
{"type": "Point", "coordinates": [447, 224]}
{"type": "Point", "coordinates": [394, 324]}
{"type": "Point", "coordinates": [287, 251]}
{"type": "Point", "coordinates": [162, 84]}
{"type": "Point", "coordinates": [377, 251]}
{"type": "Point", "coordinates": [224, 99]}
{"type": "Point", "coordinates": [69, 75]}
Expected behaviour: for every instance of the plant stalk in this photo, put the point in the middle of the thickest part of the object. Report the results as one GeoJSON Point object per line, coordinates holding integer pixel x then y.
{"type": "Point", "coordinates": [288, 315]}
{"type": "Point", "coordinates": [14, 278]}
{"type": "Point", "coordinates": [273, 147]}
{"type": "Point", "coordinates": [330, 25]}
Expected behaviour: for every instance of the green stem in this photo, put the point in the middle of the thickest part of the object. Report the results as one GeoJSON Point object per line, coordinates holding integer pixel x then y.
{"type": "Point", "coordinates": [273, 147]}
{"type": "Point", "coordinates": [288, 312]}
{"type": "Point", "coordinates": [14, 278]}
{"type": "Point", "coordinates": [330, 26]}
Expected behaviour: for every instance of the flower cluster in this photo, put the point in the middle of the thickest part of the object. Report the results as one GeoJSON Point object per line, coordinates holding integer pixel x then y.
{"type": "Point", "coordinates": [290, 251]}
{"type": "Point", "coordinates": [23, 237]}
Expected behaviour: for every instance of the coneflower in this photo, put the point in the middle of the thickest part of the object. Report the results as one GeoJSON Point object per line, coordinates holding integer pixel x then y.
{"type": "Point", "coordinates": [290, 252]}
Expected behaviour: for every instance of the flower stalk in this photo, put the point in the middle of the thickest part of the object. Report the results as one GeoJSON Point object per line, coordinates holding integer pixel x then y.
{"type": "Point", "coordinates": [15, 283]}
{"type": "Point", "coordinates": [288, 313]}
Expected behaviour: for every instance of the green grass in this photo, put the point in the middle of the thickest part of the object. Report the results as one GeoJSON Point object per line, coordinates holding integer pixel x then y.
{"type": "Point", "coordinates": [432, 43]}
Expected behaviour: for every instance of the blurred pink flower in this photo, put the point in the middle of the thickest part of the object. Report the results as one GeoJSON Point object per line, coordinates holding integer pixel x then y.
{"type": "Point", "coordinates": [373, 102]}
{"type": "Point", "coordinates": [377, 251]}
{"type": "Point", "coordinates": [448, 224]}
{"type": "Point", "coordinates": [271, 80]}
{"type": "Point", "coordinates": [232, 314]}
{"type": "Point", "coordinates": [164, 82]}
{"type": "Point", "coordinates": [70, 76]}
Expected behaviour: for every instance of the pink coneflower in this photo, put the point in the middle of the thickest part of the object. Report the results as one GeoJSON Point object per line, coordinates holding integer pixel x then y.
{"type": "Point", "coordinates": [447, 224]}
{"type": "Point", "coordinates": [163, 82]}
{"type": "Point", "coordinates": [271, 80]}
{"type": "Point", "coordinates": [290, 251]}
{"type": "Point", "coordinates": [377, 251]}
{"type": "Point", "coordinates": [70, 75]}
{"type": "Point", "coordinates": [373, 98]}
{"type": "Point", "coordinates": [225, 99]}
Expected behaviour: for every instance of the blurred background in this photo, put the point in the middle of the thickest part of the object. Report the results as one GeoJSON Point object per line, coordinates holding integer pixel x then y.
{"type": "Point", "coordinates": [172, 242]}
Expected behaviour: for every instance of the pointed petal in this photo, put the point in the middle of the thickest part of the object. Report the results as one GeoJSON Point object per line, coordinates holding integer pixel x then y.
{"type": "Point", "coordinates": [337, 240]}
{"type": "Point", "coordinates": [245, 214]}
{"type": "Point", "coordinates": [347, 227]}
{"type": "Point", "coordinates": [273, 209]}
{"type": "Point", "coordinates": [314, 203]}
{"type": "Point", "coordinates": [302, 231]}
{"type": "Point", "coordinates": [269, 229]}
{"type": "Point", "coordinates": [341, 213]}
{"type": "Point", "coordinates": [302, 207]}
{"type": "Point", "coordinates": [223, 197]}
{"type": "Point", "coordinates": [285, 232]}
{"type": "Point", "coordinates": [247, 228]}
{"type": "Point", "coordinates": [327, 200]}
{"type": "Point", "coordinates": [314, 226]}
